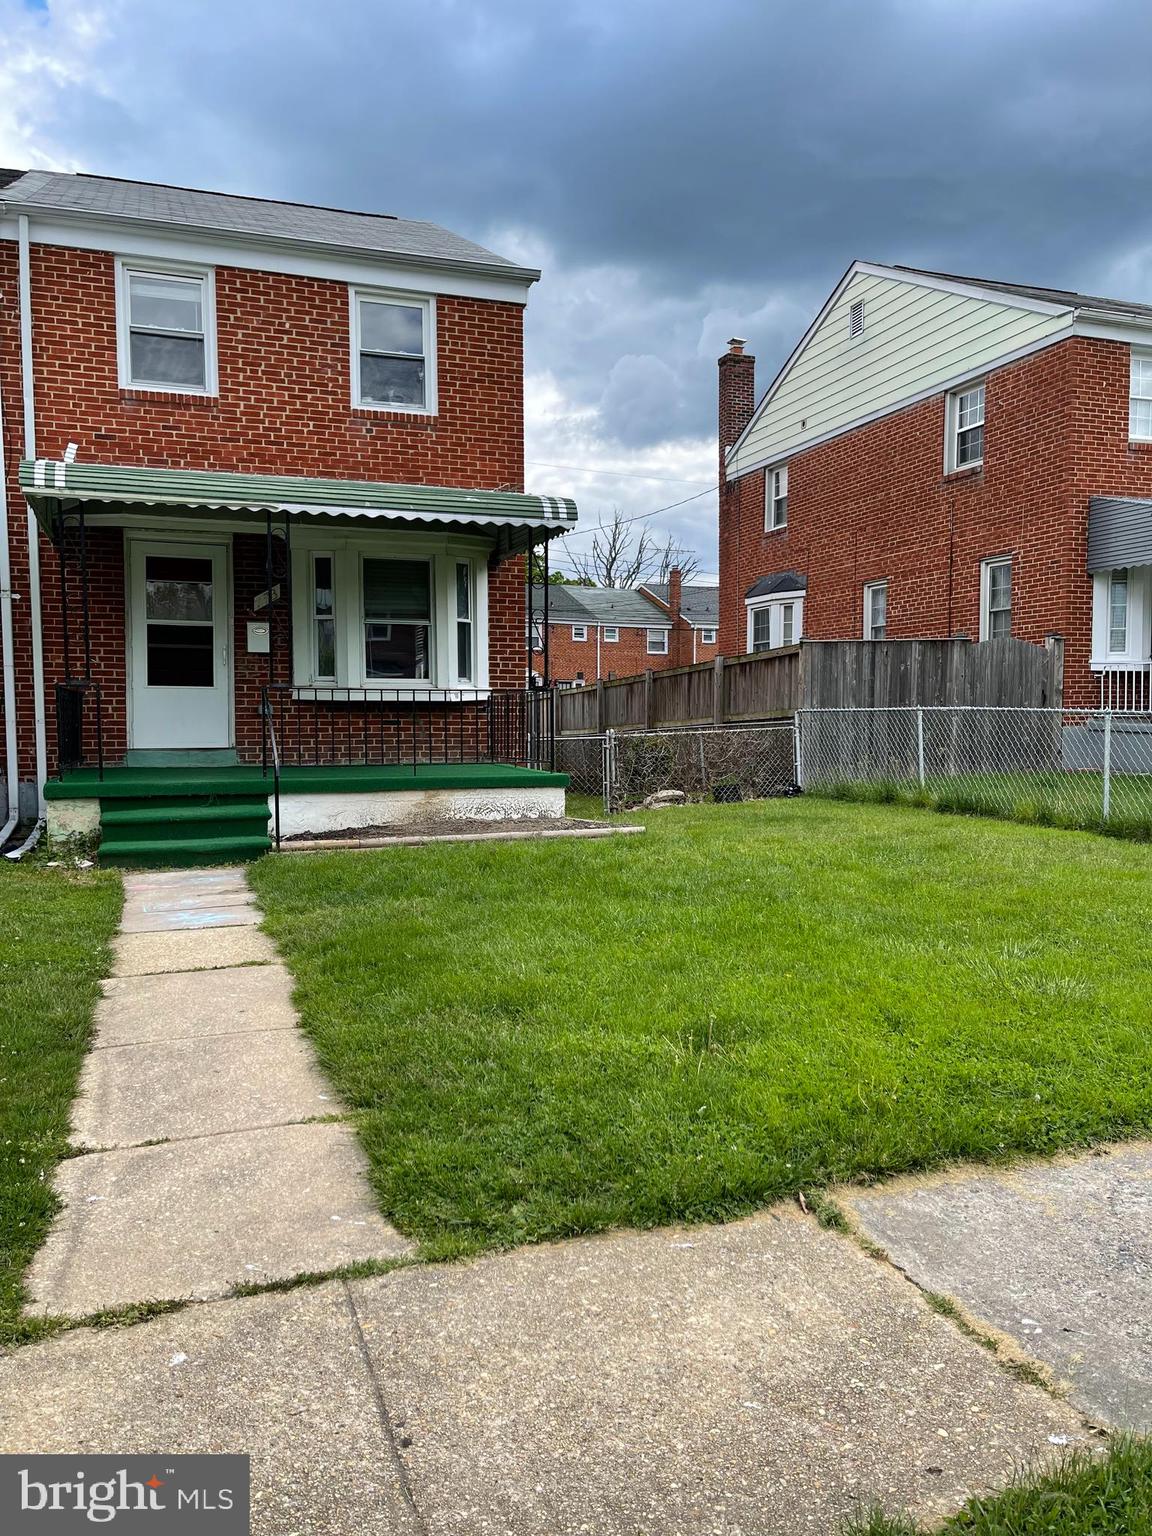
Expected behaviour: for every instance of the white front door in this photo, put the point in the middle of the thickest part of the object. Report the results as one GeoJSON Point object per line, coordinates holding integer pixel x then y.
{"type": "Point", "coordinates": [180, 646]}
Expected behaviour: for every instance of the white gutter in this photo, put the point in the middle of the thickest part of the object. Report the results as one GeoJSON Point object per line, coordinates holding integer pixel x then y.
{"type": "Point", "coordinates": [34, 605]}
{"type": "Point", "coordinates": [11, 755]}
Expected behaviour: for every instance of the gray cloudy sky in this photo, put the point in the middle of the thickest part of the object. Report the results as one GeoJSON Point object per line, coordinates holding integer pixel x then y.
{"type": "Point", "coordinates": [681, 171]}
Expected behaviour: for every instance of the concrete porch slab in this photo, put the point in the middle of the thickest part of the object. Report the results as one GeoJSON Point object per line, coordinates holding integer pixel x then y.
{"type": "Point", "coordinates": [763, 1377]}
{"type": "Point", "coordinates": [191, 881]}
{"type": "Point", "coordinates": [279, 1377]}
{"type": "Point", "coordinates": [173, 899]}
{"type": "Point", "coordinates": [150, 954]}
{"type": "Point", "coordinates": [167, 1089]}
{"type": "Point", "coordinates": [223, 1002]}
{"type": "Point", "coordinates": [194, 1218]}
{"type": "Point", "coordinates": [1058, 1255]}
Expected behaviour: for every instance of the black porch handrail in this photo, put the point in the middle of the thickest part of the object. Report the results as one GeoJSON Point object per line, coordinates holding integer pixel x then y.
{"type": "Point", "coordinates": [326, 725]}
{"type": "Point", "coordinates": [71, 701]}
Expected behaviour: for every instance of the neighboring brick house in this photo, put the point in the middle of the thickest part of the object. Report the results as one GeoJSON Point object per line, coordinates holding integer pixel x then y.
{"type": "Point", "coordinates": [942, 456]}
{"type": "Point", "coordinates": [274, 451]}
{"type": "Point", "coordinates": [605, 632]}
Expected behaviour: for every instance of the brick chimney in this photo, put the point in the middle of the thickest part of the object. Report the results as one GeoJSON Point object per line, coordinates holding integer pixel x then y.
{"type": "Point", "coordinates": [737, 393]}
{"type": "Point", "coordinates": [674, 590]}
{"type": "Point", "coordinates": [676, 637]}
{"type": "Point", "coordinates": [737, 403]}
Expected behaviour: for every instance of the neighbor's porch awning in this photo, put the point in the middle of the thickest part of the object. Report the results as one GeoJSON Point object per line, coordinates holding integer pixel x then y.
{"type": "Point", "coordinates": [1119, 532]}
{"type": "Point", "coordinates": [57, 486]}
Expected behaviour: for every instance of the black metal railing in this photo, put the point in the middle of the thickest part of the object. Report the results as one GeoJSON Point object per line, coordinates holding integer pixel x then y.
{"type": "Point", "coordinates": [324, 727]}
{"type": "Point", "coordinates": [79, 726]}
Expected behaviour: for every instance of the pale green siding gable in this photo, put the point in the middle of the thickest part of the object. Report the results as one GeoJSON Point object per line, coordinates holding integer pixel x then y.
{"type": "Point", "coordinates": [916, 340]}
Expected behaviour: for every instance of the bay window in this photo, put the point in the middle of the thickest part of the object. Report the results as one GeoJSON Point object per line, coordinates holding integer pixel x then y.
{"type": "Point", "coordinates": [392, 612]}
{"type": "Point", "coordinates": [1122, 618]}
{"type": "Point", "coordinates": [775, 622]}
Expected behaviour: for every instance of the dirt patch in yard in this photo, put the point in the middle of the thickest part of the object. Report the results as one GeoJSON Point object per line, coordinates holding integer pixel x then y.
{"type": "Point", "coordinates": [465, 827]}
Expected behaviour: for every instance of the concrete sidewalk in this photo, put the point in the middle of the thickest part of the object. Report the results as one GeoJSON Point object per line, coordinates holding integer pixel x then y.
{"type": "Point", "coordinates": [201, 1114]}
{"type": "Point", "coordinates": [762, 1377]}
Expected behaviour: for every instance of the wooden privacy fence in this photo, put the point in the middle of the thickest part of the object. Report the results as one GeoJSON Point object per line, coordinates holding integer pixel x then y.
{"type": "Point", "coordinates": [821, 674]}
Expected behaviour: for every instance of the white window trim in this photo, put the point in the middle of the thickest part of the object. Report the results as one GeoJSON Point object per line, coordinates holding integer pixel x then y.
{"type": "Point", "coordinates": [986, 593]}
{"type": "Point", "coordinates": [952, 427]}
{"type": "Point", "coordinates": [1138, 651]}
{"type": "Point", "coordinates": [127, 267]}
{"type": "Point", "coordinates": [579, 633]}
{"type": "Point", "coordinates": [313, 644]}
{"type": "Point", "coordinates": [1138, 354]}
{"type": "Point", "coordinates": [348, 555]}
{"type": "Point", "coordinates": [707, 635]}
{"type": "Point", "coordinates": [770, 526]}
{"type": "Point", "coordinates": [871, 587]}
{"type": "Point", "coordinates": [661, 638]}
{"type": "Point", "coordinates": [611, 634]}
{"type": "Point", "coordinates": [427, 303]}
{"type": "Point", "coordinates": [754, 605]}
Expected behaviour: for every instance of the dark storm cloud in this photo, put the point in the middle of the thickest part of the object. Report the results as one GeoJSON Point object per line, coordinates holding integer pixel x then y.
{"type": "Point", "coordinates": [685, 169]}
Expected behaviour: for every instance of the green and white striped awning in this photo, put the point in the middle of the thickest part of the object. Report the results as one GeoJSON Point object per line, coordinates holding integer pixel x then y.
{"type": "Point", "coordinates": [56, 485]}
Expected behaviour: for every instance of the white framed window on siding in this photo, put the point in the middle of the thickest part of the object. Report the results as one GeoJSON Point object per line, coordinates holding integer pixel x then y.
{"type": "Point", "coordinates": [775, 623]}
{"type": "Point", "coordinates": [323, 619]}
{"type": "Point", "coordinates": [1140, 398]}
{"type": "Point", "coordinates": [876, 610]}
{"type": "Point", "coordinates": [393, 352]}
{"type": "Point", "coordinates": [166, 329]}
{"type": "Point", "coordinates": [776, 497]}
{"type": "Point", "coordinates": [611, 634]}
{"type": "Point", "coordinates": [995, 599]}
{"type": "Point", "coordinates": [657, 642]}
{"type": "Point", "coordinates": [397, 607]}
{"type": "Point", "coordinates": [965, 445]}
{"type": "Point", "coordinates": [579, 631]}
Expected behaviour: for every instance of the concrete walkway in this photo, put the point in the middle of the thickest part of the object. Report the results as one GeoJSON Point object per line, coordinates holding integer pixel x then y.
{"type": "Point", "coordinates": [207, 1161]}
{"type": "Point", "coordinates": [763, 1377]}
{"type": "Point", "coordinates": [1057, 1255]}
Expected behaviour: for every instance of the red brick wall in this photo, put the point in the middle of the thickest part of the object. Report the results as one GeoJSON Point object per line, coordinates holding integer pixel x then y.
{"type": "Point", "coordinates": [284, 407]}
{"type": "Point", "coordinates": [875, 504]}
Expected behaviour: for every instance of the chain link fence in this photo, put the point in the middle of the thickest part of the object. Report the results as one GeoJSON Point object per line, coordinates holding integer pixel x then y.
{"type": "Point", "coordinates": [1078, 768]}
{"type": "Point", "coordinates": [1056, 767]}
{"type": "Point", "coordinates": [620, 770]}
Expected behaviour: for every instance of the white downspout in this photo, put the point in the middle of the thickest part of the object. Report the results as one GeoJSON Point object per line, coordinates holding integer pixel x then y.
{"type": "Point", "coordinates": [11, 754]}
{"type": "Point", "coordinates": [598, 629]}
{"type": "Point", "coordinates": [35, 618]}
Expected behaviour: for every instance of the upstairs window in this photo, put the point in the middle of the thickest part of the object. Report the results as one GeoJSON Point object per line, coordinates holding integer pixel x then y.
{"type": "Point", "coordinates": [1140, 398]}
{"type": "Point", "coordinates": [658, 642]}
{"type": "Point", "coordinates": [392, 367]}
{"type": "Point", "coordinates": [966, 428]}
{"type": "Point", "coordinates": [876, 610]}
{"type": "Point", "coordinates": [165, 323]}
{"type": "Point", "coordinates": [776, 497]}
{"type": "Point", "coordinates": [611, 634]}
{"type": "Point", "coordinates": [995, 599]}
{"type": "Point", "coordinates": [707, 637]}
{"type": "Point", "coordinates": [579, 631]}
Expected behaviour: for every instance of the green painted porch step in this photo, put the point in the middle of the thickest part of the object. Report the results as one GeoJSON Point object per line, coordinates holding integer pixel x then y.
{"type": "Point", "coordinates": [184, 829]}
{"type": "Point", "coordinates": [181, 853]}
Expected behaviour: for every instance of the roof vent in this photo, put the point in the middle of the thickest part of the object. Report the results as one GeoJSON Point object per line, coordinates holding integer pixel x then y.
{"type": "Point", "coordinates": [856, 319]}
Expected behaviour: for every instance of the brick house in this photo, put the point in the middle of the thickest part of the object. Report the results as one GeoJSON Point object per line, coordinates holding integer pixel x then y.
{"type": "Point", "coordinates": [271, 461]}
{"type": "Point", "coordinates": [943, 456]}
{"type": "Point", "coordinates": [606, 632]}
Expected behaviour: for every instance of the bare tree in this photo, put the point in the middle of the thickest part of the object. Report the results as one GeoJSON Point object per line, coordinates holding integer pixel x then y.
{"type": "Point", "coordinates": [621, 556]}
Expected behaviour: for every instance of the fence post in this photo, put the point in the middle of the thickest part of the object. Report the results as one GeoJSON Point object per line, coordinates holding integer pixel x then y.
{"type": "Point", "coordinates": [601, 707]}
{"type": "Point", "coordinates": [920, 746]}
{"type": "Point", "coordinates": [608, 769]}
{"type": "Point", "coordinates": [648, 699]}
{"type": "Point", "coordinates": [718, 691]}
{"type": "Point", "coordinates": [1107, 806]}
{"type": "Point", "coordinates": [797, 753]}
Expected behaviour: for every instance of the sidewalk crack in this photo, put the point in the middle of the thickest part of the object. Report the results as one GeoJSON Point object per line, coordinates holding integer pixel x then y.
{"type": "Point", "coordinates": [382, 1411]}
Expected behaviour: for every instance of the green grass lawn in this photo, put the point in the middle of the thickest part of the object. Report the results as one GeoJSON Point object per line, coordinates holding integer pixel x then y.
{"type": "Point", "coordinates": [54, 933]}
{"type": "Point", "coordinates": [1087, 1495]}
{"type": "Point", "coordinates": [542, 1039]}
